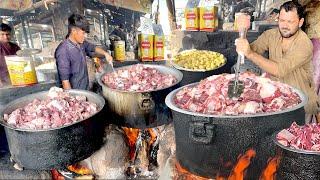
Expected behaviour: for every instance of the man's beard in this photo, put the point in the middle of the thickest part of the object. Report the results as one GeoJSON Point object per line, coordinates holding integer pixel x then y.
{"type": "Point", "coordinates": [289, 34]}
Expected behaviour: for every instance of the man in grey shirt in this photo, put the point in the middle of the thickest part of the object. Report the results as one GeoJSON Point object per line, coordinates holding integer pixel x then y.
{"type": "Point", "coordinates": [71, 55]}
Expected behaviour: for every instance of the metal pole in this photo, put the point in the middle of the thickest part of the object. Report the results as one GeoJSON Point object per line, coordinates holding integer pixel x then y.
{"type": "Point", "coordinates": [24, 32]}
{"type": "Point", "coordinates": [53, 26]}
{"type": "Point", "coordinates": [260, 4]}
{"type": "Point", "coordinates": [100, 27]}
{"type": "Point", "coordinates": [104, 29]}
{"type": "Point", "coordinates": [31, 41]}
{"type": "Point", "coordinates": [157, 13]}
{"type": "Point", "coordinates": [40, 37]}
{"type": "Point", "coordinates": [264, 8]}
{"type": "Point", "coordinates": [257, 7]}
{"type": "Point", "coordinates": [53, 30]}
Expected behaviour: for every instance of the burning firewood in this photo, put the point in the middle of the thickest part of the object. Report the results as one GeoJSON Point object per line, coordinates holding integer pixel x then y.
{"type": "Point", "coordinates": [79, 169]}
{"type": "Point", "coordinates": [135, 139]}
{"type": "Point", "coordinates": [132, 138]}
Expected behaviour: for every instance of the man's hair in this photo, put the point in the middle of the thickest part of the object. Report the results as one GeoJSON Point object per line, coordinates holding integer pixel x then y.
{"type": "Point", "coordinates": [5, 27]}
{"type": "Point", "coordinates": [78, 21]}
{"type": "Point", "coordinates": [291, 5]}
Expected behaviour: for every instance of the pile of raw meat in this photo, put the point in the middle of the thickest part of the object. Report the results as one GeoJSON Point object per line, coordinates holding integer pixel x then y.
{"type": "Point", "coordinates": [260, 95]}
{"type": "Point", "coordinates": [305, 137]}
{"type": "Point", "coordinates": [138, 78]}
{"type": "Point", "coordinates": [59, 109]}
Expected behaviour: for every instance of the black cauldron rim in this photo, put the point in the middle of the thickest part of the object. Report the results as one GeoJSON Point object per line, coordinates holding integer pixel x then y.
{"type": "Point", "coordinates": [307, 152]}
{"type": "Point", "coordinates": [172, 106]}
{"type": "Point", "coordinates": [72, 92]}
{"type": "Point", "coordinates": [177, 74]}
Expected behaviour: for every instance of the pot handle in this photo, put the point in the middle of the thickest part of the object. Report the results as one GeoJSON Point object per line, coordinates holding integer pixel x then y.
{"type": "Point", "coordinates": [202, 131]}
{"type": "Point", "coordinates": [145, 102]}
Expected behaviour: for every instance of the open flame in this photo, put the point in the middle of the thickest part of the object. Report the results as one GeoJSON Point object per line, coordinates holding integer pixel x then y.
{"type": "Point", "coordinates": [239, 170]}
{"type": "Point", "coordinates": [79, 169]}
{"type": "Point", "coordinates": [269, 172]}
{"type": "Point", "coordinates": [153, 136]}
{"type": "Point", "coordinates": [76, 171]}
{"type": "Point", "coordinates": [135, 140]}
{"type": "Point", "coordinates": [244, 161]}
{"type": "Point", "coordinates": [220, 177]}
{"type": "Point", "coordinates": [132, 137]}
{"type": "Point", "coordinates": [186, 175]}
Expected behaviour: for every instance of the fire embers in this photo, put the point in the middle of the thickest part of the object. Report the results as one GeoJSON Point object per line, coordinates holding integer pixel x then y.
{"type": "Point", "coordinates": [75, 171]}
{"type": "Point", "coordinates": [139, 142]}
{"type": "Point", "coordinates": [79, 169]}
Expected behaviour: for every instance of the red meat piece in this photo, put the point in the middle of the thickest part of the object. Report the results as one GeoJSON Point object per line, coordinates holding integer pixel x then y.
{"type": "Point", "coordinates": [59, 109]}
{"type": "Point", "coordinates": [138, 78]}
{"type": "Point", "coordinates": [305, 137]}
{"type": "Point", "coordinates": [259, 95]}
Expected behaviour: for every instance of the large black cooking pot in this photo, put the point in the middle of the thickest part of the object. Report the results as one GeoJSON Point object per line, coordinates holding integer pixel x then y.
{"type": "Point", "coordinates": [206, 143]}
{"type": "Point", "coordinates": [192, 76]}
{"type": "Point", "coordinates": [297, 164]}
{"type": "Point", "coordinates": [56, 147]}
{"type": "Point", "coordinates": [140, 109]}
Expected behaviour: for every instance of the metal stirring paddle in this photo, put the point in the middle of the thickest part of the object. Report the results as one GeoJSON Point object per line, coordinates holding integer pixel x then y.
{"type": "Point", "coordinates": [235, 88]}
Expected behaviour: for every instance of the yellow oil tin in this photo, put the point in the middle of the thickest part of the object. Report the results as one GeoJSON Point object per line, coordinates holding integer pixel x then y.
{"type": "Point", "coordinates": [192, 19]}
{"type": "Point", "coordinates": [145, 47]}
{"type": "Point", "coordinates": [119, 50]}
{"type": "Point", "coordinates": [158, 52]}
{"type": "Point", "coordinates": [208, 19]}
{"type": "Point", "coordinates": [21, 70]}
